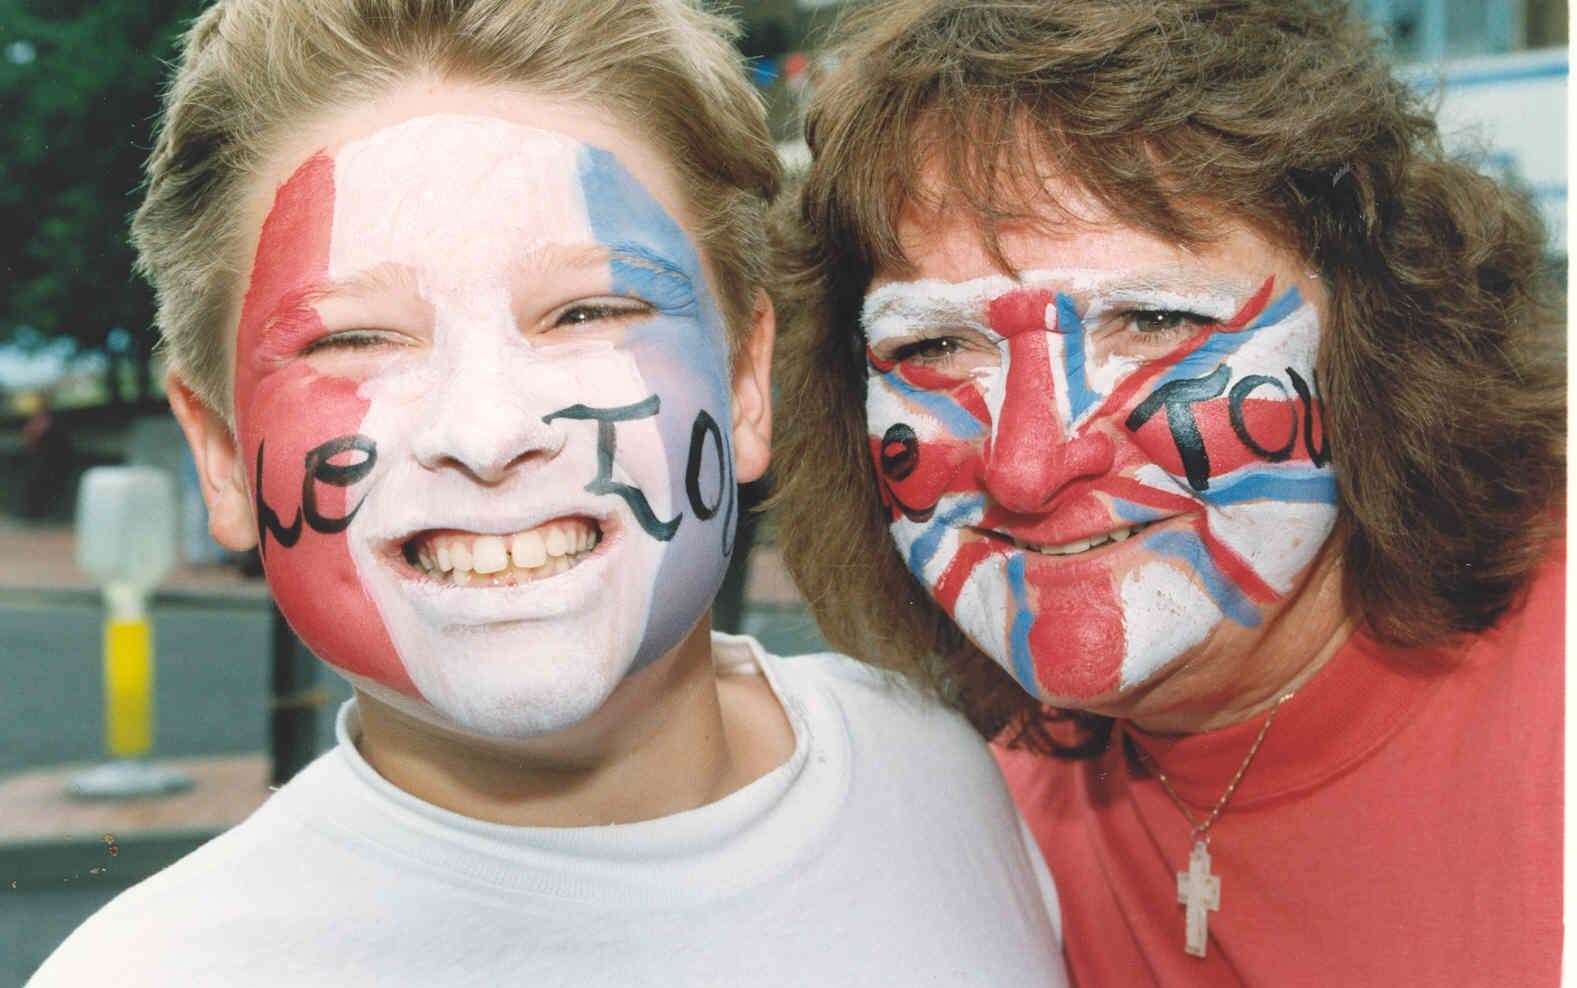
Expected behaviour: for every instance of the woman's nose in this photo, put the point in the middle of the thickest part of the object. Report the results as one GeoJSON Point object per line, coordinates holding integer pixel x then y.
{"type": "Point", "coordinates": [1030, 456]}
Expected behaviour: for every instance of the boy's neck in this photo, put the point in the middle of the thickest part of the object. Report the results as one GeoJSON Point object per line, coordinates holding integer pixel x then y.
{"type": "Point", "coordinates": [670, 738]}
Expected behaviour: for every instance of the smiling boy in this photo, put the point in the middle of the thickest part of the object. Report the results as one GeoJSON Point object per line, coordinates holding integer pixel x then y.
{"type": "Point", "coordinates": [464, 303]}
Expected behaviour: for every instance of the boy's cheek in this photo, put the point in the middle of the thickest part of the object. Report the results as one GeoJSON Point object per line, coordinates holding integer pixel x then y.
{"type": "Point", "coordinates": [296, 423]}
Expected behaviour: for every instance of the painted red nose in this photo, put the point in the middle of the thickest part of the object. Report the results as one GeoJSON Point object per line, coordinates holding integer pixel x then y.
{"type": "Point", "coordinates": [1030, 458]}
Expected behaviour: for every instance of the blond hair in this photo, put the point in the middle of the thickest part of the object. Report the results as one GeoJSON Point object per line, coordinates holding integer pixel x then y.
{"type": "Point", "coordinates": [251, 69]}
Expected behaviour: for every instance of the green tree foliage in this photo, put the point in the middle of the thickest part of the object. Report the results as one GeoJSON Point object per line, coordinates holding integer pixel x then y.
{"type": "Point", "coordinates": [79, 87]}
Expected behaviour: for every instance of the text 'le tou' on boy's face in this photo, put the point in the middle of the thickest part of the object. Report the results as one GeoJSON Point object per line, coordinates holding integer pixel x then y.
{"type": "Point", "coordinates": [1113, 461]}
{"type": "Point", "coordinates": [482, 393]}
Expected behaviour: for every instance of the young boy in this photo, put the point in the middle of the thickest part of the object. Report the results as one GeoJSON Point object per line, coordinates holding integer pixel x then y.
{"type": "Point", "coordinates": [464, 304]}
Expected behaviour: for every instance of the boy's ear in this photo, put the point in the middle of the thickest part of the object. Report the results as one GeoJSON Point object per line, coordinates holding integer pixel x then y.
{"type": "Point", "coordinates": [221, 473]}
{"type": "Point", "coordinates": [752, 387]}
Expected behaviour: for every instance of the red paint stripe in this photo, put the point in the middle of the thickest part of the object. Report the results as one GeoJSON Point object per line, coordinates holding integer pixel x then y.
{"type": "Point", "coordinates": [1233, 566]}
{"type": "Point", "coordinates": [963, 563]}
{"type": "Point", "coordinates": [1252, 308]}
{"type": "Point", "coordinates": [1019, 311]}
{"type": "Point", "coordinates": [1135, 492]}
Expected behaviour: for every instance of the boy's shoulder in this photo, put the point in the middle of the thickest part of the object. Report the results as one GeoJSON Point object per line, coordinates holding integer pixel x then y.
{"type": "Point", "coordinates": [886, 716]}
{"type": "Point", "coordinates": [854, 683]}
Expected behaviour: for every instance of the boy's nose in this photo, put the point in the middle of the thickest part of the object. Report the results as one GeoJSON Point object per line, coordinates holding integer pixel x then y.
{"type": "Point", "coordinates": [478, 422]}
{"type": "Point", "coordinates": [1030, 457]}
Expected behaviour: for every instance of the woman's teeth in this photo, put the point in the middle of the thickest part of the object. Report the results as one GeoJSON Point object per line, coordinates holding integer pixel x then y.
{"type": "Point", "coordinates": [1082, 545]}
{"type": "Point", "coordinates": [503, 560]}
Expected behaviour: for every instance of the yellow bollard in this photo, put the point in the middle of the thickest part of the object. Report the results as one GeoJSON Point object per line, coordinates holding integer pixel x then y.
{"type": "Point", "coordinates": [128, 686]}
{"type": "Point", "coordinates": [126, 524]}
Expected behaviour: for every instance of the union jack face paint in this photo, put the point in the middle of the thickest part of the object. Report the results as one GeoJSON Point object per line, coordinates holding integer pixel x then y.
{"type": "Point", "coordinates": [1092, 471]}
{"type": "Point", "coordinates": [482, 391]}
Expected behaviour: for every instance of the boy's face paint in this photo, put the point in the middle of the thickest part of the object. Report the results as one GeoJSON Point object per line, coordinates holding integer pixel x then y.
{"type": "Point", "coordinates": [1096, 471]}
{"type": "Point", "coordinates": [461, 326]}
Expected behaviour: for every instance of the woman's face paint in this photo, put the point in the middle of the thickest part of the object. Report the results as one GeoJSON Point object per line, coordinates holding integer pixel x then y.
{"type": "Point", "coordinates": [481, 387]}
{"type": "Point", "coordinates": [1096, 471]}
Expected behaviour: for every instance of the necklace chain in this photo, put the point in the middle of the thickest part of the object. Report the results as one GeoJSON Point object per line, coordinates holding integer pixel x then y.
{"type": "Point", "coordinates": [1201, 829]}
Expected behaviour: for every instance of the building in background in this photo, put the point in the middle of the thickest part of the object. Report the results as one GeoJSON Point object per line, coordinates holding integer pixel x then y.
{"type": "Point", "coordinates": [1495, 69]}
{"type": "Point", "coordinates": [1498, 71]}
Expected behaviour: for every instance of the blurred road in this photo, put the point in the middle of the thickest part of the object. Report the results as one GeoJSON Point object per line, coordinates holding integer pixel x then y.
{"type": "Point", "coordinates": [211, 681]}
{"type": "Point", "coordinates": [212, 654]}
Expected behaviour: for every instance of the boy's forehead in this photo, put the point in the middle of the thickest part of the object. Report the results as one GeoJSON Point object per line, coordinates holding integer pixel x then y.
{"type": "Point", "coordinates": [462, 193]}
{"type": "Point", "coordinates": [549, 127]}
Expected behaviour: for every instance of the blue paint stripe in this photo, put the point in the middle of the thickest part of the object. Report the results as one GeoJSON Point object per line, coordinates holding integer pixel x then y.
{"type": "Point", "coordinates": [1137, 513]}
{"type": "Point", "coordinates": [1306, 486]}
{"type": "Point", "coordinates": [930, 540]}
{"type": "Point", "coordinates": [953, 416]}
{"type": "Point", "coordinates": [1186, 547]}
{"type": "Point", "coordinates": [1023, 617]}
{"type": "Point", "coordinates": [1278, 310]}
{"type": "Point", "coordinates": [651, 256]}
{"type": "Point", "coordinates": [1223, 345]}
{"type": "Point", "coordinates": [1081, 397]}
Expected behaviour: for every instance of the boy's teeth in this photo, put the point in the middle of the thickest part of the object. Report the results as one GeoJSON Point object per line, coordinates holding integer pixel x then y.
{"type": "Point", "coordinates": [536, 554]}
{"type": "Point", "coordinates": [527, 550]}
{"type": "Point", "coordinates": [488, 554]}
{"type": "Point", "coordinates": [558, 545]}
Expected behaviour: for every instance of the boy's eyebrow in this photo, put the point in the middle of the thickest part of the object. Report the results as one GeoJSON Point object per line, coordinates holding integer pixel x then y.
{"type": "Point", "coordinates": [393, 277]}
{"type": "Point", "coordinates": [298, 302]}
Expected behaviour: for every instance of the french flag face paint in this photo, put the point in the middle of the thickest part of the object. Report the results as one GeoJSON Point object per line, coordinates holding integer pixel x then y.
{"type": "Point", "coordinates": [1093, 474]}
{"type": "Point", "coordinates": [482, 390]}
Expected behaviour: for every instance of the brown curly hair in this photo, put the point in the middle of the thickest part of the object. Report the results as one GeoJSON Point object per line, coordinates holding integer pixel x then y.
{"type": "Point", "coordinates": [1442, 374]}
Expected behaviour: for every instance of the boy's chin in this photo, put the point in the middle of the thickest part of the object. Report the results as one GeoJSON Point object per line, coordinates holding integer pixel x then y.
{"type": "Point", "coordinates": [496, 714]}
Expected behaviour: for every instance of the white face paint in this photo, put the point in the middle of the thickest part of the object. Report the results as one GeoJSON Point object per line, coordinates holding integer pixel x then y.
{"type": "Point", "coordinates": [535, 357]}
{"type": "Point", "coordinates": [1094, 471]}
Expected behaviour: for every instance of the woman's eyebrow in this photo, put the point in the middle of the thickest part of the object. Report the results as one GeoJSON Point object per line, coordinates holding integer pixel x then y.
{"type": "Point", "coordinates": [1168, 281]}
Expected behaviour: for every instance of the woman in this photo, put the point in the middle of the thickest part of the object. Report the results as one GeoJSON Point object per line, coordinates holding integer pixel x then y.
{"type": "Point", "coordinates": [1194, 423]}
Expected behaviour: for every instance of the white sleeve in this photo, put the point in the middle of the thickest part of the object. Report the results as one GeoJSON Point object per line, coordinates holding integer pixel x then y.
{"type": "Point", "coordinates": [1048, 888]}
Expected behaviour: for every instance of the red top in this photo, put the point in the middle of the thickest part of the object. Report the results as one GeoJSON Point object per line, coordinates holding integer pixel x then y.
{"type": "Point", "coordinates": [1400, 825]}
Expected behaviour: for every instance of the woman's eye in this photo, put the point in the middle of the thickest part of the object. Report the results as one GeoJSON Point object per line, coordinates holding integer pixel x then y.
{"type": "Point", "coordinates": [1161, 322]}
{"type": "Point", "coordinates": [596, 312]}
{"type": "Point", "coordinates": [930, 350]}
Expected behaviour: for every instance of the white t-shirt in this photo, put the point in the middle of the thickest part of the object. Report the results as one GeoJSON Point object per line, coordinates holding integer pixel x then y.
{"type": "Point", "coordinates": [885, 851]}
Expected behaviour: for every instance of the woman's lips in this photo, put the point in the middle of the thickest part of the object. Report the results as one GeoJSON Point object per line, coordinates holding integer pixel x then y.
{"type": "Point", "coordinates": [1073, 547]}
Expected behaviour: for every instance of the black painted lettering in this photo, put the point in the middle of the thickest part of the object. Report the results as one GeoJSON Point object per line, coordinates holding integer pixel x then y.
{"type": "Point", "coordinates": [607, 439]}
{"type": "Point", "coordinates": [1176, 397]}
{"type": "Point", "coordinates": [900, 452]}
{"type": "Point", "coordinates": [1320, 455]}
{"type": "Point", "coordinates": [267, 521]}
{"type": "Point", "coordinates": [705, 426]}
{"type": "Point", "coordinates": [1235, 402]}
{"type": "Point", "coordinates": [320, 468]}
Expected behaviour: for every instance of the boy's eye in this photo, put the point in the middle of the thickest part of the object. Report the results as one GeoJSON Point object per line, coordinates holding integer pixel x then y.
{"type": "Point", "coordinates": [589, 312]}
{"type": "Point", "coordinates": [355, 339]}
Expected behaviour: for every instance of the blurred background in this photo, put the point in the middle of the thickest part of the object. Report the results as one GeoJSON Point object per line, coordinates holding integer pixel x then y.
{"type": "Point", "coordinates": [237, 703]}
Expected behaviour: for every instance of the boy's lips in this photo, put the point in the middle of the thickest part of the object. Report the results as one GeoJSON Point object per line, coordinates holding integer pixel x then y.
{"type": "Point", "coordinates": [466, 558]}
{"type": "Point", "coordinates": [496, 554]}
